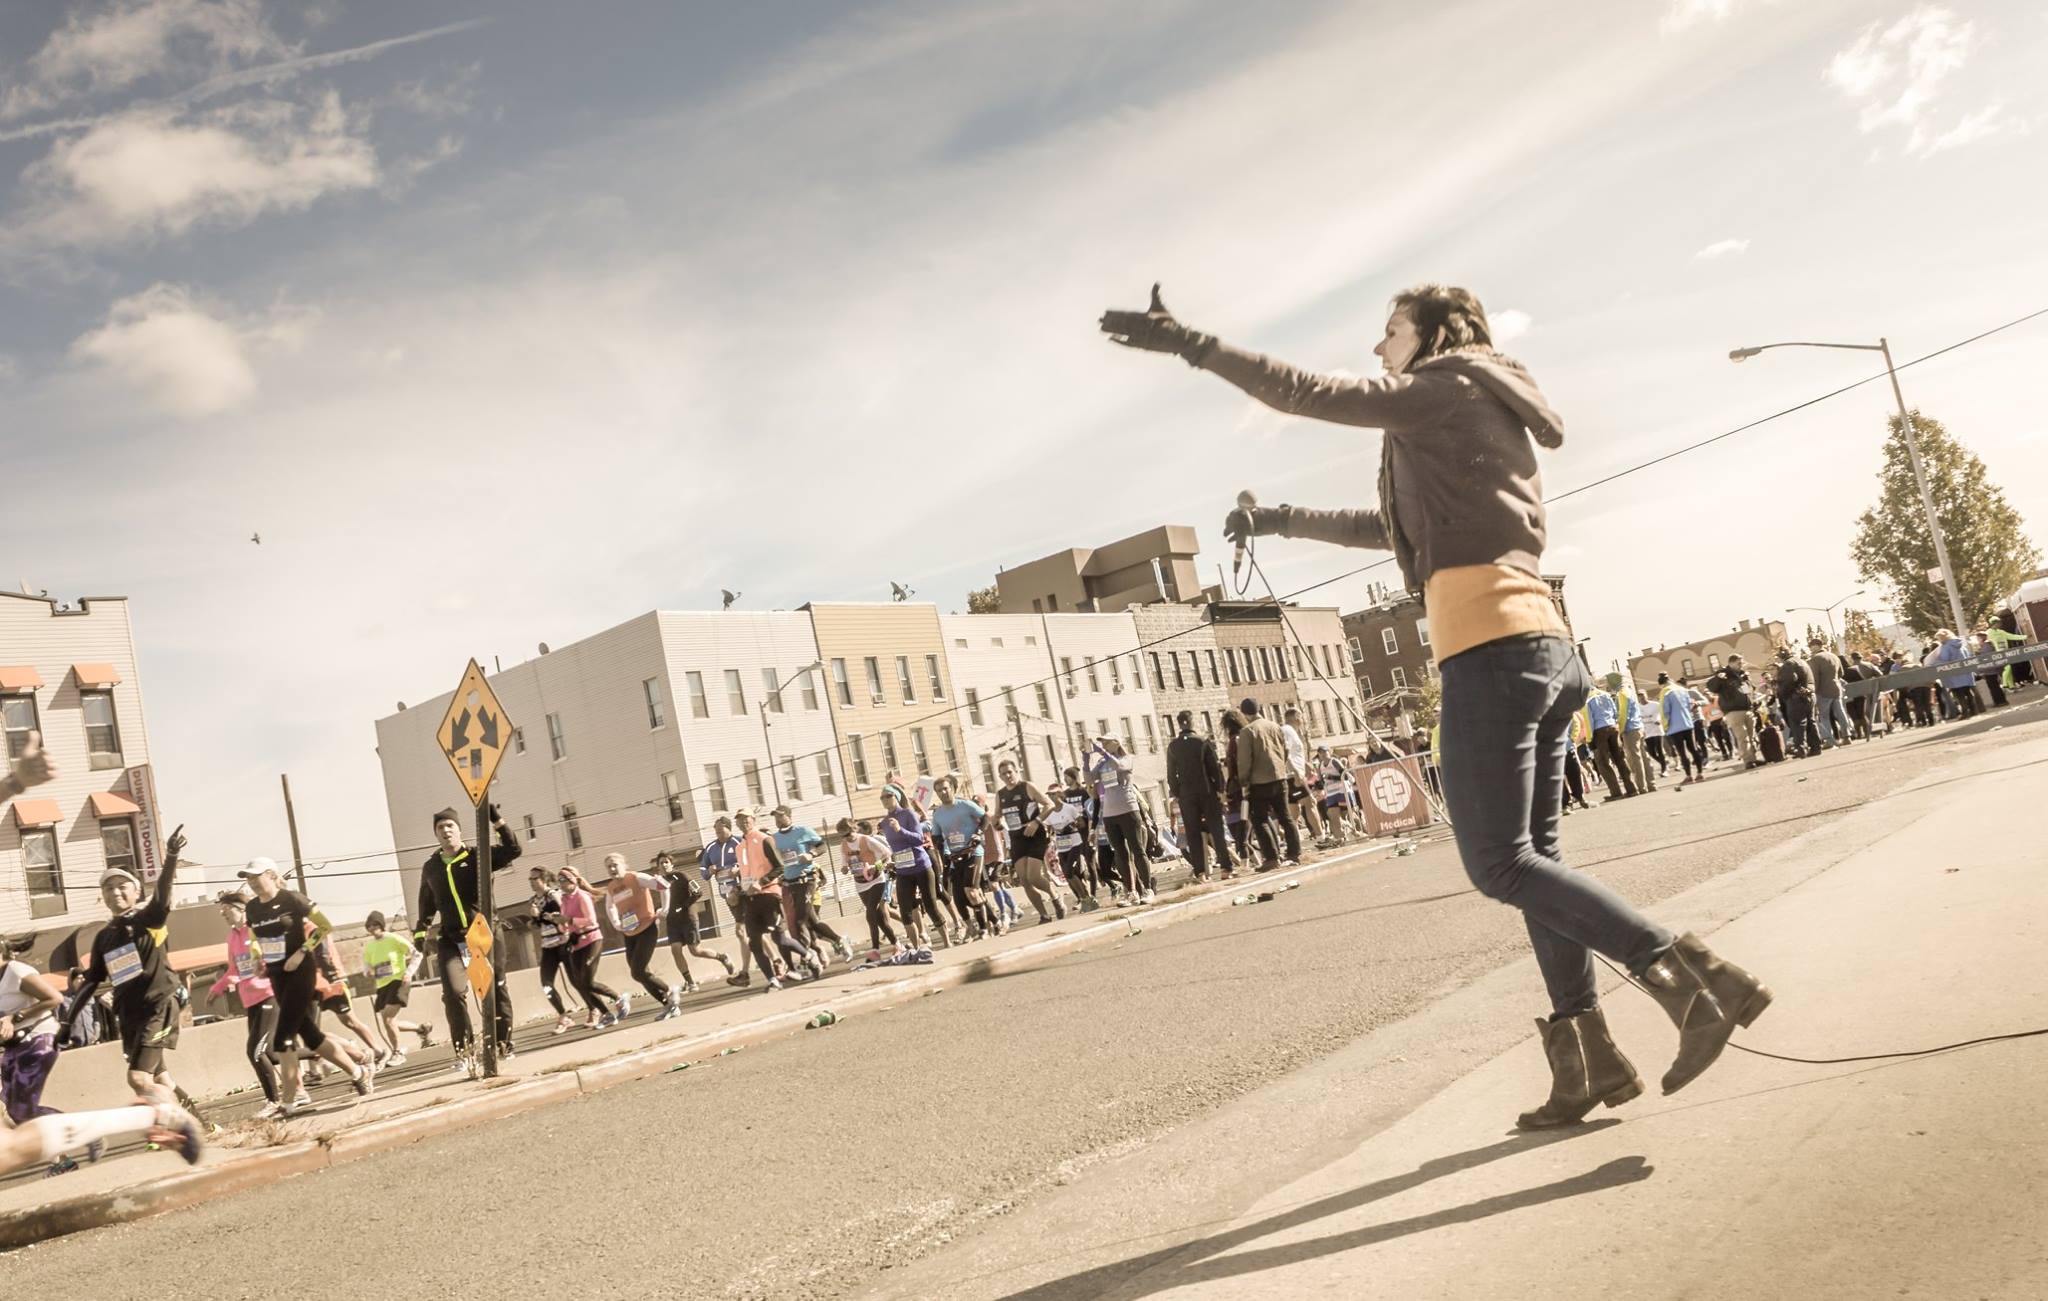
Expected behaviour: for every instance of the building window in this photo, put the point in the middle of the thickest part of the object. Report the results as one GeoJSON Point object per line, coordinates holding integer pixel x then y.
{"type": "Point", "coordinates": [1400, 678]}
{"type": "Point", "coordinates": [1713, 662]}
{"type": "Point", "coordinates": [558, 744]}
{"type": "Point", "coordinates": [1158, 672]}
{"type": "Point", "coordinates": [735, 692]}
{"type": "Point", "coordinates": [714, 783]}
{"type": "Point", "coordinates": [1052, 755]}
{"type": "Point", "coordinates": [826, 786]}
{"type": "Point", "coordinates": [519, 740]}
{"type": "Point", "coordinates": [526, 825]}
{"type": "Point", "coordinates": [756, 795]}
{"type": "Point", "coordinates": [44, 873]}
{"type": "Point", "coordinates": [1102, 728]}
{"type": "Point", "coordinates": [840, 682]}
{"type": "Point", "coordinates": [903, 680]}
{"type": "Point", "coordinates": [117, 838]}
{"type": "Point", "coordinates": [700, 707]}
{"type": "Point", "coordinates": [1030, 640]}
{"type": "Point", "coordinates": [919, 755]}
{"type": "Point", "coordinates": [810, 690]}
{"type": "Point", "coordinates": [857, 754]}
{"type": "Point", "coordinates": [572, 827]}
{"type": "Point", "coordinates": [1067, 671]}
{"type": "Point", "coordinates": [1388, 642]}
{"type": "Point", "coordinates": [1052, 603]}
{"type": "Point", "coordinates": [650, 689]}
{"type": "Point", "coordinates": [1081, 737]}
{"type": "Point", "coordinates": [1137, 672]}
{"type": "Point", "coordinates": [1265, 666]}
{"type": "Point", "coordinates": [1208, 724]}
{"type": "Point", "coordinates": [1215, 678]}
{"type": "Point", "coordinates": [988, 772]}
{"type": "Point", "coordinates": [771, 691]}
{"type": "Point", "coordinates": [1422, 631]}
{"type": "Point", "coordinates": [888, 752]}
{"type": "Point", "coordinates": [796, 788]}
{"type": "Point", "coordinates": [1357, 651]}
{"type": "Point", "coordinates": [932, 675]}
{"type": "Point", "coordinates": [1094, 683]}
{"type": "Point", "coordinates": [1230, 660]}
{"type": "Point", "coordinates": [874, 670]}
{"type": "Point", "coordinates": [1151, 736]}
{"type": "Point", "coordinates": [1037, 605]}
{"type": "Point", "coordinates": [974, 706]}
{"type": "Point", "coordinates": [1686, 667]}
{"type": "Point", "coordinates": [1365, 683]}
{"type": "Point", "coordinates": [1044, 701]}
{"type": "Point", "coordinates": [102, 736]}
{"type": "Point", "coordinates": [995, 643]}
{"type": "Point", "coordinates": [1329, 662]}
{"type": "Point", "coordinates": [946, 743]}
{"type": "Point", "coordinates": [18, 715]}
{"type": "Point", "coordinates": [1130, 737]}
{"type": "Point", "coordinates": [1179, 681]}
{"type": "Point", "coordinates": [673, 789]}
{"type": "Point", "coordinates": [1116, 677]}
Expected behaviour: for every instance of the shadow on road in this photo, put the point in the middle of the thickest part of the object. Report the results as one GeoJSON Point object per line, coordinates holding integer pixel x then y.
{"type": "Point", "coordinates": [1203, 1260]}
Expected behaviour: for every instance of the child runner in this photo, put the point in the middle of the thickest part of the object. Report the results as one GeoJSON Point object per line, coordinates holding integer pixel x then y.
{"type": "Point", "coordinates": [245, 976]}
{"type": "Point", "coordinates": [389, 960]}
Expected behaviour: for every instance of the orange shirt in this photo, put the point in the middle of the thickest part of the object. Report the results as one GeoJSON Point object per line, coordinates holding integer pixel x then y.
{"type": "Point", "coordinates": [757, 874]}
{"type": "Point", "coordinates": [1470, 605]}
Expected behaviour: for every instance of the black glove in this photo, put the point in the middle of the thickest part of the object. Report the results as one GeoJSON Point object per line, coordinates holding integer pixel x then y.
{"type": "Point", "coordinates": [1254, 522]}
{"type": "Point", "coordinates": [1155, 330]}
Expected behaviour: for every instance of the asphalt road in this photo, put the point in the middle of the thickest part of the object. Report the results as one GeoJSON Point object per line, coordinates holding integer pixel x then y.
{"type": "Point", "coordinates": [812, 1166]}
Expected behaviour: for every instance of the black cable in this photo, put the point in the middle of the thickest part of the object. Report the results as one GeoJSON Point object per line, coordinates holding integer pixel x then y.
{"type": "Point", "coordinates": [1861, 1057]}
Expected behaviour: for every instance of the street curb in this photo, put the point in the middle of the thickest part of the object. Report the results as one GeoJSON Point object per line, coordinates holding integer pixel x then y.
{"type": "Point", "coordinates": [173, 1192]}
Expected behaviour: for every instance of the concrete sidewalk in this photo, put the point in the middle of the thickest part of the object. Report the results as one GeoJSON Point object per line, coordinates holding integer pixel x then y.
{"type": "Point", "coordinates": [1922, 1176]}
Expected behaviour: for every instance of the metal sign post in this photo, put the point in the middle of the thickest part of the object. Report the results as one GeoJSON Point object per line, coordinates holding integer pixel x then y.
{"type": "Point", "coordinates": [474, 735]}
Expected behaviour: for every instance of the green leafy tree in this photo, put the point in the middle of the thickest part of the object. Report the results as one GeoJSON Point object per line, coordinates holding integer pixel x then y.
{"type": "Point", "coordinates": [1859, 633]}
{"type": "Point", "coordinates": [1430, 700]}
{"type": "Point", "coordinates": [983, 600]}
{"type": "Point", "coordinates": [1987, 544]}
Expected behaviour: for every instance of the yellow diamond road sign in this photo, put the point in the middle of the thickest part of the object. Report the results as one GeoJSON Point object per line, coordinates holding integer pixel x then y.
{"type": "Point", "coordinates": [475, 733]}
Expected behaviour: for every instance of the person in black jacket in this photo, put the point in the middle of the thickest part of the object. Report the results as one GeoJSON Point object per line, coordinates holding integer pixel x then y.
{"type": "Point", "coordinates": [1730, 685]}
{"type": "Point", "coordinates": [1795, 702]}
{"type": "Point", "coordinates": [1195, 776]}
{"type": "Point", "coordinates": [448, 891]}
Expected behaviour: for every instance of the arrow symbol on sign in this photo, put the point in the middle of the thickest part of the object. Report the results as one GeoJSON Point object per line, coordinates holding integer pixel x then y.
{"type": "Point", "coordinates": [489, 738]}
{"type": "Point", "coordinates": [458, 735]}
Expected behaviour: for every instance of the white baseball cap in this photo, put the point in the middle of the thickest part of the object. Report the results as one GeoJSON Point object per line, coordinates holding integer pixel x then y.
{"type": "Point", "coordinates": [257, 867]}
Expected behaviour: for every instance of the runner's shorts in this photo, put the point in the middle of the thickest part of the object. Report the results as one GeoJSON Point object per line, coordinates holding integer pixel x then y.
{"type": "Point", "coordinates": [682, 926]}
{"type": "Point", "coordinates": [148, 1034]}
{"type": "Point", "coordinates": [391, 995]}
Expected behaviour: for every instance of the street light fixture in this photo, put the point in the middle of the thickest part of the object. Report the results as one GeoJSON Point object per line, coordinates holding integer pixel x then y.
{"type": "Point", "coordinates": [1828, 610]}
{"type": "Point", "coordinates": [1948, 577]}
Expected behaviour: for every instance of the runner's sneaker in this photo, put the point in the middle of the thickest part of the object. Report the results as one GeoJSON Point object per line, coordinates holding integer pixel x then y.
{"type": "Point", "coordinates": [395, 1061]}
{"type": "Point", "coordinates": [505, 1053]}
{"type": "Point", "coordinates": [845, 952]}
{"type": "Point", "coordinates": [63, 1165]}
{"type": "Point", "coordinates": [728, 963]}
{"type": "Point", "coordinates": [625, 1007]}
{"type": "Point", "coordinates": [692, 987]}
{"type": "Point", "coordinates": [563, 1023]}
{"type": "Point", "coordinates": [672, 1008]}
{"type": "Point", "coordinates": [364, 1082]}
{"type": "Point", "coordinates": [427, 1035]}
{"type": "Point", "coordinates": [299, 1105]}
{"type": "Point", "coordinates": [772, 986]}
{"type": "Point", "coordinates": [742, 980]}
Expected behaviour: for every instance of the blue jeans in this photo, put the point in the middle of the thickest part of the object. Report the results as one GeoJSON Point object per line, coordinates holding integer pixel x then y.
{"type": "Point", "coordinates": [1833, 720]}
{"type": "Point", "coordinates": [1507, 712]}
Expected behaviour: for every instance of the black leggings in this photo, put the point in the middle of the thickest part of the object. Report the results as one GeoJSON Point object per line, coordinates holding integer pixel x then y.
{"type": "Point", "coordinates": [455, 994]}
{"type": "Point", "coordinates": [640, 952]}
{"type": "Point", "coordinates": [552, 960]}
{"type": "Point", "coordinates": [964, 876]}
{"type": "Point", "coordinates": [764, 922]}
{"type": "Point", "coordinates": [810, 927]}
{"type": "Point", "coordinates": [582, 967]}
{"type": "Point", "coordinates": [262, 1020]}
{"type": "Point", "coordinates": [919, 890]}
{"type": "Point", "coordinates": [873, 903]}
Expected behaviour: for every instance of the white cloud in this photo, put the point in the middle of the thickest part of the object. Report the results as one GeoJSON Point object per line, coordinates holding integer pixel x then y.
{"type": "Point", "coordinates": [1508, 325]}
{"type": "Point", "coordinates": [149, 174]}
{"type": "Point", "coordinates": [178, 353]}
{"type": "Point", "coordinates": [1895, 73]}
{"type": "Point", "coordinates": [130, 42]}
{"type": "Point", "coordinates": [1682, 14]}
{"type": "Point", "coordinates": [1722, 248]}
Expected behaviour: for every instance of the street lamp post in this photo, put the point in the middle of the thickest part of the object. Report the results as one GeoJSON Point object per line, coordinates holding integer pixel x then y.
{"type": "Point", "coordinates": [1948, 577]}
{"type": "Point", "coordinates": [1828, 610]}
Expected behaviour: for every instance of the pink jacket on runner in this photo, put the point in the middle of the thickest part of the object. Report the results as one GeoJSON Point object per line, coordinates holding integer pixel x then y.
{"type": "Point", "coordinates": [245, 974]}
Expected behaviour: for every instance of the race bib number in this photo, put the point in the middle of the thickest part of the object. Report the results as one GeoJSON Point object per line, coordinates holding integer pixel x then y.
{"type": "Point", "coordinates": [550, 934]}
{"type": "Point", "coordinates": [123, 964]}
{"type": "Point", "coordinates": [629, 921]}
{"type": "Point", "coordinates": [1070, 840]}
{"type": "Point", "coordinates": [904, 858]}
{"type": "Point", "coordinates": [956, 840]}
{"type": "Point", "coordinates": [1013, 819]}
{"type": "Point", "coordinates": [245, 965]}
{"type": "Point", "coordinates": [273, 947]}
{"type": "Point", "coordinates": [384, 970]}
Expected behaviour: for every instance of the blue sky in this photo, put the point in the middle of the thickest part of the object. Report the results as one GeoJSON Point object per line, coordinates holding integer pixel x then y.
{"type": "Point", "coordinates": [503, 323]}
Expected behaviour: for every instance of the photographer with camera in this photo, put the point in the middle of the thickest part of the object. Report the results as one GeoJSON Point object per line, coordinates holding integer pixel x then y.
{"type": "Point", "coordinates": [1461, 507]}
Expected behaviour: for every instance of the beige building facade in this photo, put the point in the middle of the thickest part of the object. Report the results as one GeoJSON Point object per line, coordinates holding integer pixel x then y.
{"type": "Point", "coordinates": [1156, 565]}
{"type": "Point", "coordinates": [69, 675]}
{"type": "Point", "coordinates": [1756, 642]}
{"type": "Point", "coordinates": [1104, 689]}
{"type": "Point", "coordinates": [1289, 657]}
{"type": "Point", "coordinates": [1002, 665]}
{"type": "Point", "coordinates": [1186, 665]}
{"type": "Point", "coordinates": [890, 693]}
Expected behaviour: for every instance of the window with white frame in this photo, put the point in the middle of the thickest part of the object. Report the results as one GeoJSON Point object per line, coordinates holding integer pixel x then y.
{"type": "Point", "coordinates": [756, 793]}
{"type": "Point", "coordinates": [857, 756]}
{"type": "Point", "coordinates": [1151, 736]}
{"type": "Point", "coordinates": [903, 680]}
{"type": "Point", "coordinates": [672, 792]}
{"type": "Point", "coordinates": [571, 827]}
{"type": "Point", "coordinates": [558, 743]}
{"type": "Point", "coordinates": [44, 872]}
{"type": "Point", "coordinates": [526, 825]}
{"type": "Point", "coordinates": [1400, 678]}
{"type": "Point", "coordinates": [700, 705]}
{"type": "Point", "coordinates": [1094, 683]}
{"type": "Point", "coordinates": [974, 706]}
{"type": "Point", "coordinates": [18, 716]}
{"type": "Point", "coordinates": [714, 786]}
{"type": "Point", "coordinates": [946, 744]}
{"type": "Point", "coordinates": [771, 690]}
{"type": "Point", "coordinates": [1044, 701]}
{"type": "Point", "coordinates": [1422, 631]}
{"type": "Point", "coordinates": [102, 735]}
{"type": "Point", "coordinates": [650, 691]}
{"type": "Point", "coordinates": [826, 786]}
{"type": "Point", "coordinates": [792, 788]}
{"type": "Point", "coordinates": [934, 677]}
{"type": "Point", "coordinates": [889, 752]}
{"type": "Point", "coordinates": [988, 771]}
{"type": "Point", "coordinates": [919, 755]}
{"type": "Point", "coordinates": [735, 692]}
{"type": "Point", "coordinates": [117, 839]}
{"type": "Point", "coordinates": [519, 740]}
{"type": "Point", "coordinates": [873, 665]}
{"type": "Point", "coordinates": [1389, 642]}
{"type": "Point", "coordinates": [810, 689]}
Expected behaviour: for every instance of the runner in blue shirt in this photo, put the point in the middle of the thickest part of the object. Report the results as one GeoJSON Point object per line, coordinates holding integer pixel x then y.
{"type": "Point", "coordinates": [798, 845]}
{"type": "Point", "coordinates": [959, 823]}
{"type": "Point", "coordinates": [719, 864]}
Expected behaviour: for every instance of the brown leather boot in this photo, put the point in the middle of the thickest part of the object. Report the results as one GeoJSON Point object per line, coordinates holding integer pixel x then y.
{"type": "Point", "coordinates": [1706, 999]}
{"type": "Point", "coordinates": [1586, 1069]}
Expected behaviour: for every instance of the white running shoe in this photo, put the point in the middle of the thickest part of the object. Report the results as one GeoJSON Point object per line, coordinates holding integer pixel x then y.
{"type": "Point", "coordinates": [625, 1006]}
{"type": "Point", "coordinates": [394, 1061]}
